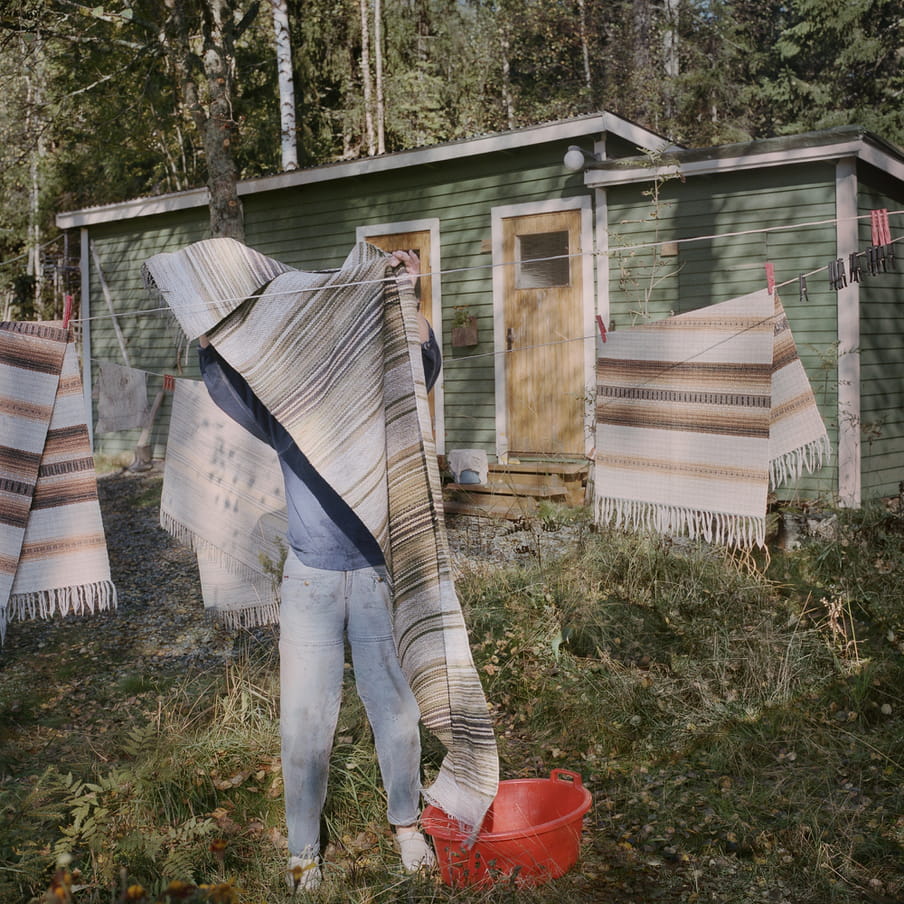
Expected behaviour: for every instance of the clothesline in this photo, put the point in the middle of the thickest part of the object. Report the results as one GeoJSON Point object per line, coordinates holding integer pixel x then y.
{"type": "Point", "coordinates": [450, 361]}
{"type": "Point", "coordinates": [20, 257]}
{"type": "Point", "coordinates": [613, 252]}
{"type": "Point", "coordinates": [470, 358]}
{"type": "Point", "coordinates": [583, 338]}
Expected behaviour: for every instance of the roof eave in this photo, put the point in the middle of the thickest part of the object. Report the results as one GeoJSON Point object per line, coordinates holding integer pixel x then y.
{"type": "Point", "coordinates": [565, 130]}
{"type": "Point", "coordinates": [685, 164]}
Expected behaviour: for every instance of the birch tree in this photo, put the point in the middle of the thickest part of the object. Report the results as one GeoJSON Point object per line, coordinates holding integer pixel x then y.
{"type": "Point", "coordinates": [288, 141]}
{"type": "Point", "coordinates": [379, 96]}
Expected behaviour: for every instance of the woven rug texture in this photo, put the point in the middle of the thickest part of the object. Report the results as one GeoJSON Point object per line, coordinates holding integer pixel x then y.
{"type": "Point", "coordinates": [336, 358]}
{"type": "Point", "coordinates": [696, 414]}
{"type": "Point", "coordinates": [122, 398]}
{"type": "Point", "coordinates": [53, 551]}
{"type": "Point", "coordinates": [223, 496]}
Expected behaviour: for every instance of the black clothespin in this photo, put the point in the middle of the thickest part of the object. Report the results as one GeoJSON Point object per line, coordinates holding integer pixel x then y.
{"type": "Point", "coordinates": [837, 279]}
{"type": "Point", "coordinates": [802, 285]}
{"type": "Point", "coordinates": [872, 259]}
{"type": "Point", "coordinates": [854, 267]}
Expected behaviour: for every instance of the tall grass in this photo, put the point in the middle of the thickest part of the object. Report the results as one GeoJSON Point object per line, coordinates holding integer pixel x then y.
{"type": "Point", "coordinates": [740, 729]}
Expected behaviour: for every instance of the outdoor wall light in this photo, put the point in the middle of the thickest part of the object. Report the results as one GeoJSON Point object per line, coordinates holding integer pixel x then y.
{"type": "Point", "coordinates": [577, 158]}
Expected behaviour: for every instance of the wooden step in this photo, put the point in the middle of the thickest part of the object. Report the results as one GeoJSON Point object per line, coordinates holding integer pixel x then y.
{"type": "Point", "coordinates": [511, 507]}
{"type": "Point", "coordinates": [513, 490]}
{"type": "Point", "coordinates": [572, 473]}
{"type": "Point", "coordinates": [544, 486]}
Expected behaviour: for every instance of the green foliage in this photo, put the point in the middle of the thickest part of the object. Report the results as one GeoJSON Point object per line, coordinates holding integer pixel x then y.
{"type": "Point", "coordinates": [91, 104]}
{"type": "Point", "coordinates": [739, 723]}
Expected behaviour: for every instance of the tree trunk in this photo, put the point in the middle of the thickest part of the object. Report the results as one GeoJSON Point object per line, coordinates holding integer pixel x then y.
{"type": "Point", "coordinates": [507, 98]}
{"type": "Point", "coordinates": [363, 7]}
{"type": "Point", "coordinates": [288, 142]}
{"type": "Point", "coordinates": [212, 114]}
{"type": "Point", "coordinates": [670, 54]}
{"type": "Point", "coordinates": [378, 69]}
{"type": "Point", "coordinates": [585, 48]}
{"type": "Point", "coordinates": [34, 127]}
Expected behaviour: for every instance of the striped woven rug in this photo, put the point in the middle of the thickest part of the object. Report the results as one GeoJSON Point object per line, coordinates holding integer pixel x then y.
{"type": "Point", "coordinates": [336, 358]}
{"type": "Point", "coordinates": [53, 552]}
{"type": "Point", "coordinates": [696, 414]}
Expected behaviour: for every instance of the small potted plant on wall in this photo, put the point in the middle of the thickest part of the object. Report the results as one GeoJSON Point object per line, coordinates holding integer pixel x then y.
{"type": "Point", "coordinates": [464, 327]}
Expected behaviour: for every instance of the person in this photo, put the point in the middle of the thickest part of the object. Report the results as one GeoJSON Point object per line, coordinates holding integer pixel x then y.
{"type": "Point", "coordinates": [335, 584]}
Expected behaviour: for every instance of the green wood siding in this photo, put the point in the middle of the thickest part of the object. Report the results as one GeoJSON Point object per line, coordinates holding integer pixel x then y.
{"type": "Point", "coordinates": [151, 335]}
{"type": "Point", "coordinates": [881, 351]}
{"type": "Point", "coordinates": [314, 227]}
{"type": "Point", "coordinates": [650, 283]}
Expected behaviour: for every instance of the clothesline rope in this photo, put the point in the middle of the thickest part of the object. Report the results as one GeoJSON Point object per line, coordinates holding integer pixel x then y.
{"type": "Point", "coordinates": [20, 257]}
{"type": "Point", "coordinates": [495, 353]}
{"type": "Point", "coordinates": [673, 365]}
{"type": "Point", "coordinates": [611, 252]}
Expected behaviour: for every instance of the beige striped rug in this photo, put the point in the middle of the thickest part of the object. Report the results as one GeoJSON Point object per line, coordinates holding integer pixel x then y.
{"type": "Point", "coordinates": [223, 496]}
{"type": "Point", "coordinates": [53, 552]}
{"type": "Point", "coordinates": [696, 414]}
{"type": "Point", "coordinates": [336, 358]}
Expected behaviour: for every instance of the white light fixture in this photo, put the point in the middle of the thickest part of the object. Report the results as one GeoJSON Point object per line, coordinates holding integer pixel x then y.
{"type": "Point", "coordinates": [577, 158]}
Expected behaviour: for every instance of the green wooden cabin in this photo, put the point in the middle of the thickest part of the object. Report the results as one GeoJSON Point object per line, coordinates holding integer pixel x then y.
{"type": "Point", "coordinates": [525, 240]}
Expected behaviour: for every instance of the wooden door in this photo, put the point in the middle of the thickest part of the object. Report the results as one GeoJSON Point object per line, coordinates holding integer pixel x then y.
{"type": "Point", "coordinates": [418, 242]}
{"type": "Point", "coordinates": [543, 323]}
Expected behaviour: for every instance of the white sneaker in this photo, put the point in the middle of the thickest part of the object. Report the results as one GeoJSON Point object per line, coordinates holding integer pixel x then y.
{"type": "Point", "coordinates": [303, 873]}
{"type": "Point", "coordinates": [414, 850]}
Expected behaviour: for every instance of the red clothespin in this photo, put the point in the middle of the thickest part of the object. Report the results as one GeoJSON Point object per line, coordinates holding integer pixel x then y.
{"type": "Point", "coordinates": [880, 233]}
{"type": "Point", "coordinates": [67, 311]}
{"type": "Point", "coordinates": [169, 383]}
{"type": "Point", "coordinates": [602, 326]}
{"type": "Point", "coordinates": [885, 229]}
{"type": "Point", "coordinates": [770, 277]}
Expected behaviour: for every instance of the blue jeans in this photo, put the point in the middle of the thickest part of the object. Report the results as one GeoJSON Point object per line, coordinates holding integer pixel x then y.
{"type": "Point", "coordinates": [317, 609]}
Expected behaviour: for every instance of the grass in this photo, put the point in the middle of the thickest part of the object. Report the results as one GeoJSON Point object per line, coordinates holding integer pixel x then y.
{"type": "Point", "coordinates": [740, 725]}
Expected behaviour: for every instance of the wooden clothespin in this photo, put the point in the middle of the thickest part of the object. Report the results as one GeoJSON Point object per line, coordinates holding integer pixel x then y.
{"type": "Point", "coordinates": [854, 267]}
{"type": "Point", "coordinates": [67, 311]}
{"type": "Point", "coordinates": [770, 277]}
{"type": "Point", "coordinates": [802, 285]}
{"type": "Point", "coordinates": [602, 326]}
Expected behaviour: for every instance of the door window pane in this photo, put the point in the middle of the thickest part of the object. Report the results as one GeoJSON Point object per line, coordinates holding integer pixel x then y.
{"type": "Point", "coordinates": [542, 260]}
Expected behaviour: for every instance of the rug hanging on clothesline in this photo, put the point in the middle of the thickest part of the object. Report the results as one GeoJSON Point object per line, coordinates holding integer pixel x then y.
{"type": "Point", "coordinates": [223, 496]}
{"type": "Point", "coordinates": [122, 398]}
{"type": "Point", "coordinates": [697, 415]}
{"type": "Point", "coordinates": [336, 359]}
{"type": "Point", "coordinates": [53, 551]}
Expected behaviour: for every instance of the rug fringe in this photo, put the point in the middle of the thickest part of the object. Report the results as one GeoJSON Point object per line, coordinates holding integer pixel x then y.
{"type": "Point", "coordinates": [718, 528]}
{"type": "Point", "coordinates": [187, 537]}
{"type": "Point", "coordinates": [258, 616]}
{"type": "Point", "coordinates": [80, 599]}
{"type": "Point", "coordinates": [810, 457]}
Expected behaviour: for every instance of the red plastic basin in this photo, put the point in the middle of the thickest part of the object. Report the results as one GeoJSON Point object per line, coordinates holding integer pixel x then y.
{"type": "Point", "coordinates": [531, 833]}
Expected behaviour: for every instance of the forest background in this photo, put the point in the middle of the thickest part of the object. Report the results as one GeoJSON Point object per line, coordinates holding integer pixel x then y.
{"type": "Point", "coordinates": [126, 98]}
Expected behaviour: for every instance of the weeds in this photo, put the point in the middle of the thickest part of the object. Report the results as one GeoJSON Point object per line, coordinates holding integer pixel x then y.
{"type": "Point", "coordinates": [740, 733]}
